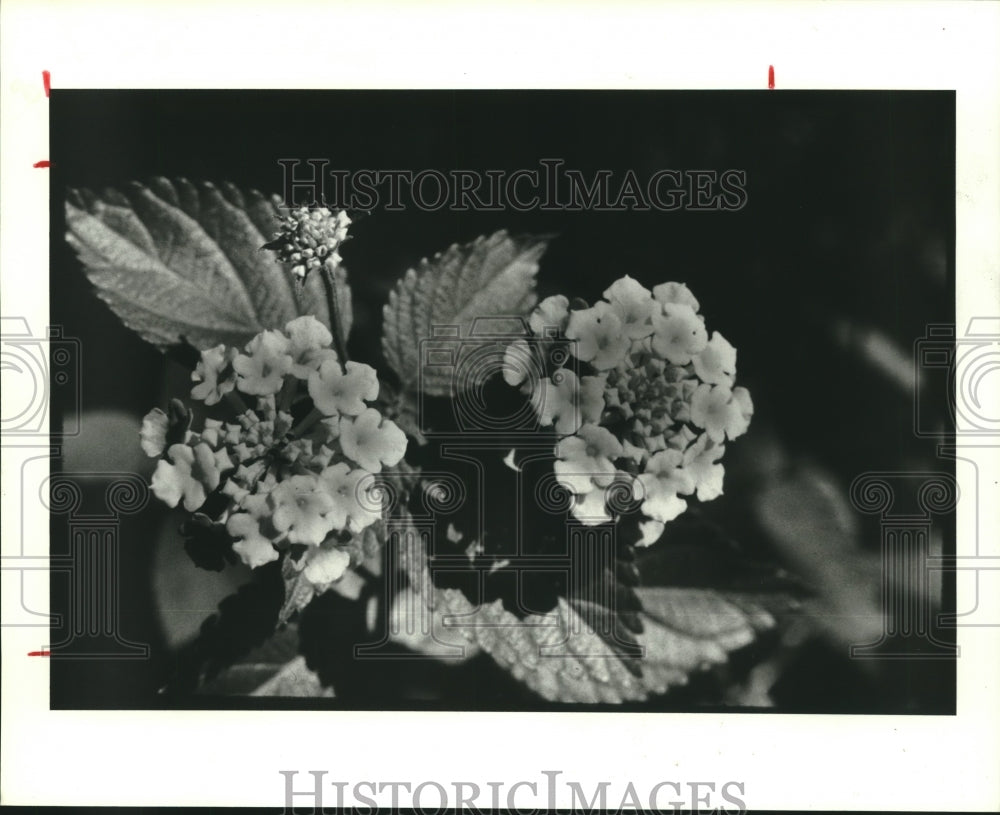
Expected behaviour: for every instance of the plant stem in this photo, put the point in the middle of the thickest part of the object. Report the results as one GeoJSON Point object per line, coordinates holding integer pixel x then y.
{"type": "Point", "coordinates": [287, 394]}
{"type": "Point", "coordinates": [306, 424]}
{"type": "Point", "coordinates": [336, 319]}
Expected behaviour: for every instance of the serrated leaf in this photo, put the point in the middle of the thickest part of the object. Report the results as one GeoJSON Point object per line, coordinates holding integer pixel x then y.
{"type": "Point", "coordinates": [490, 277]}
{"type": "Point", "coordinates": [272, 669]}
{"type": "Point", "coordinates": [177, 261]}
{"type": "Point", "coordinates": [563, 659]}
{"type": "Point", "coordinates": [245, 621]}
{"type": "Point", "coordinates": [292, 680]}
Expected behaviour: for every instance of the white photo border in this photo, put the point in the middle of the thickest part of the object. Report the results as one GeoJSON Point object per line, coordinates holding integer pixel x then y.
{"type": "Point", "coordinates": [225, 758]}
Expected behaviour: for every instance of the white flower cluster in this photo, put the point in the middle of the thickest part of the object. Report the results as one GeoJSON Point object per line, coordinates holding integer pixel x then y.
{"type": "Point", "coordinates": [653, 411]}
{"type": "Point", "coordinates": [283, 482]}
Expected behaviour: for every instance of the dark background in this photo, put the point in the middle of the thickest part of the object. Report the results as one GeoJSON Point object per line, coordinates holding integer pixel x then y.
{"type": "Point", "coordinates": [848, 228]}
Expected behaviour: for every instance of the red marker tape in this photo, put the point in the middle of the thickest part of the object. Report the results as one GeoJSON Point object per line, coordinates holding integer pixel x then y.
{"type": "Point", "coordinates": [42, 164]}
{"type": "Point", "coordinates": [46, 81]}
{"type": "Point", "coordinates": [39, 653]}
{"type": "Point", "coordinates": [770, 77]}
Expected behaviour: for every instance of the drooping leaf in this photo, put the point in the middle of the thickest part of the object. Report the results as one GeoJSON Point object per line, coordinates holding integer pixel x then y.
{"type": "Point", "coordinates": [272, 669]}
{"type": "Point", "coordinates": [490, 277]}
{"type": "Point", "coordinates": [299, 590]}
{"type": "Point", "coordinates": [176, 262]}
{"type": "Point", "coordinates": [294, 679]}
{"type": "Point", "coordinates": [244, 621]}
{"type": "Point", "coordinates": [696, 552]}
{"type": "Point", "coordinates": [813, 525]}
{"type": "Point", "coordinates": [562, 658]}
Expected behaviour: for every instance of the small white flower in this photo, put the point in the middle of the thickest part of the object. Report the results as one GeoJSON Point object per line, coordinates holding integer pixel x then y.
{"type": "Point", "coordinates": [300, 509]}
{"type": "Point", "coordinates": [600, 336]}
{"type": "Point", "coordinates": [372, 441]}
{"type": "Point", "coordinates": [324, 565]}
{"type": "Point", "coordinates": [679, 333]}
{"type": "Point", "coordinates": [701, 461]}
{"type": "Point", "coordinates": [591, 508]}
{"type": "Point", "coordinates": [651, 531]}
{"type": "Point", "coordinates": [191, 474]}
{"type": "Point", "coordinates": [660, 485]}
{"type": "Point", "coordinates": [721, 412]}
{"type": "Point", "coordinates": [517, 363]}
{"type": "Point", "coordinates": [585, 460]}
{"type": "Point", "coordinates": [675, 293]}
{"type": "Point", "coordinates": [153, 436]}
{"type": "Point", "coordinates": [353, 508]}
{"type": "Point", "coordinates": [716, 363]}
{"type": "Point", "coordinates": [551, 313]}
{"type": "Point", "coordinates": [254, 549]}
{"type": "Point", "coordinates": [309, 345]}
{"type": "Point", "coordinates": [565, 402]}
{"type": "Point", "coordinates": [634, 304]}
{"type": "Point", "coordinates": [214, 374]}
{"type": "Point", "coordinates": [335, 391]}
{"type": "Point", "coordinates": [262, 369]}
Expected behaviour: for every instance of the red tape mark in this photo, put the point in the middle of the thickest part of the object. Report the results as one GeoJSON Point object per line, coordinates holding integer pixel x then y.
{"type": "Point", "coordinates": [47, 82]}
{"type": "Point", "coordinates": [39, 653]}
{"type": "Point", "coordinates": [42, 164]}
{"type": "Point", "coordinates": [770, 77]}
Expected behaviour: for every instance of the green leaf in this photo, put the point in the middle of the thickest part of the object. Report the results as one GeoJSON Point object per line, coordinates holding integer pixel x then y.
{"type": "Point", "coordinates": [245, 620]}
{"type": "Point", "coordinates": [299, 591]}
{"type": "Point", "coordinates": [811, 522]}
{"type": "Point", "coordinates": [490, 277]}
{"type": "Point", "coordinates": [272, 669]}
{"type": "Point", "coordinates": [175, 261]}
{"type": "Point", "coordinates": [563, 659]}
{"type": "Point", "coordinates": [293, 679]}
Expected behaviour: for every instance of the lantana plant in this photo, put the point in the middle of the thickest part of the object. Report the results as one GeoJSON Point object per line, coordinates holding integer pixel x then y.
{"type": "Point", "coordinates": [278, 454]}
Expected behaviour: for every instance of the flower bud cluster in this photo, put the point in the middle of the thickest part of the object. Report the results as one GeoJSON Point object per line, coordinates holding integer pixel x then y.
{"type": "Point", "coordinates": [308, 238]}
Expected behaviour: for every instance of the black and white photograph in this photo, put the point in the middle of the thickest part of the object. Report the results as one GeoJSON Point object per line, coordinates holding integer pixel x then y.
{"type": "Point", "coordinates": [487, 400]}
{"type": "Point", "coordinates": [573, 407]}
